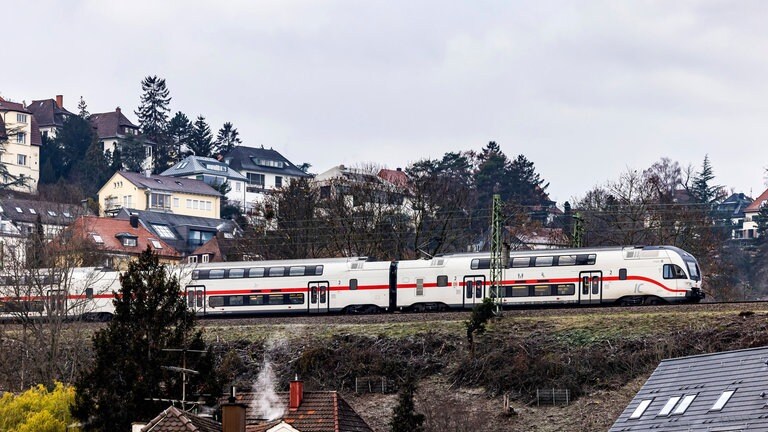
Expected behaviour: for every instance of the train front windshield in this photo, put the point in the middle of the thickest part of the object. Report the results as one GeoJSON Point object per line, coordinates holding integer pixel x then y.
{"type": "Point", "coordinates": [693, 269]}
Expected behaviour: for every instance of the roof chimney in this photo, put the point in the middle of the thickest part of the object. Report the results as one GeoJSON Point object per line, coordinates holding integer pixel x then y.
{"type": "Point", "coordinates": [134, 221]}
{"type": "Point", "coordinates": [296, 394]}
{"type": "Point", "coordinates": [232, 414]}
{"type": "Point", "coordinates": [60, 101]}
{"type": "Point", "coordinates": [117, 110]}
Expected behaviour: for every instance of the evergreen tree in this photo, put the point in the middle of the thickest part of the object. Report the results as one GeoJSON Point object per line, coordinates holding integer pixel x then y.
{"type": "Point", "coordinates": [405, 418]}
{"type": "Point", "coordinates": [201, 140]}
{"type": "Point", "coordinates": [150, 318]}
{"type": "Point", "coordinates": [70, 146]}
{"type": "Point", "coordinates": [133, 154]}
{"type": "Point", "coordinates": [525, 185]}
{"type": "Point", "coordinates": [701, 189]}
{"type": "Point", "coordinates": [226, 139]}
{"type": "Point", "coordinates": [82, 107]}
{"type": "Point", "coordinates": [179, 132]}
{"type": "Point", "coordinates": [153, 120]}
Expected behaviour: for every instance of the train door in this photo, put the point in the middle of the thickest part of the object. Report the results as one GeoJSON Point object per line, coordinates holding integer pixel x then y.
{"type": "Point", "coordinates": [57, 302]}
{"type": "Point", "coordinates": [318, 297]}
{"type": "Point", "coordinates": [591, 284]}
{"type": "Point", "coordinates": [474, 290]}
{"type": "Point", "coordinates": [196, 299]}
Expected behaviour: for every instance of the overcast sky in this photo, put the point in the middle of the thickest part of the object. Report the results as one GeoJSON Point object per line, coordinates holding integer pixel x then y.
{"type": "Point", "coordinates": [584, 89]}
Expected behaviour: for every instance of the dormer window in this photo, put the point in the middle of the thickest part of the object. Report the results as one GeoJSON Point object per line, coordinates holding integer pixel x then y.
{"type": "Point", "coordinates": [129, 241]}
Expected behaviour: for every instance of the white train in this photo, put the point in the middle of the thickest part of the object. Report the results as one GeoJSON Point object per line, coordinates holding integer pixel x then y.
{"type": "Point", "coordinates": [587, 276]}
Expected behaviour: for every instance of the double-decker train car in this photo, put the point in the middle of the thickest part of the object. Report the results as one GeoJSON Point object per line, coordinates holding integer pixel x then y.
{"type": "Point", "coordinates": [586, 276]}
{"type": "Point", "coordinates": [617, 275]}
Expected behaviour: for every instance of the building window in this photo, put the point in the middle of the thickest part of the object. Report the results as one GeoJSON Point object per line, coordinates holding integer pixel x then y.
{"type": "Point", "coordinates": [722, 400]}
{"type": "Point", "coordinates": [164, 231]}
{"type": "Point", "coordinates": [128, 201]}
{"type": "Point", "coordinates": [192, 259]}
{"type": "Point", "coordinates": [208, 205]}
{"type": "Point", "coordinates": [21, 118]}
{"type": "Point", "coordinates": [156, 244]}
{"type": "Point", "coordinates": [148, 151]}
{"type": "Point", "coordinates": [160, 201]}
{"type": "Point", "coordinates": [278, 181]}
{"type": "Point", "coordinates": [195, 205]}
{"type": "Point", "coordinates": [189, 203]}
{"type": "Point", "coordinates": [638, 412]}
{"type": "Point", "coordinates": [205, 258]}
{"type": "Point", "coordinates": [256, 179]}
{"type": "Point", "coordinates": [237, 186]}
{"type": "Point", "coordinates": [129, 241]}
{"type": "Point", "coordinates": [21, 138]}
{"type": "Point", "coordinates": [176, 203]}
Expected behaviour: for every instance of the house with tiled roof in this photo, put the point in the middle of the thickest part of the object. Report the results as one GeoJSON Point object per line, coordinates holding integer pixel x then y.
{"type": "Point", "coordinates": [723, 391]}
{"type": "Point", "coordinates": [751, 214]}
{"type": "Point", "coordinates": [21, 141]}
{"type": "Point", "coordinates": [732, 211]}
{"type": "Point", "coordinates": [174, 419]}
{"type": "Point", "coordinates": [159, 193]}
{"type": "Point", "coordinates": [360, 186]}
{"type": "Point", "coordinates": [316, 411]}
{"type": "Point", "coordinates": [185, 233]}
{"type": "Point", "coordinates": [117, 241]}
{"type": "Point", "coordinates": [265, 169]}
{"type": "Point", "coordinates": [50, 115]}
{"type": "Point", "coordinates": [214, 173]}
{"type": "Point", "coordinates": [114, 128]}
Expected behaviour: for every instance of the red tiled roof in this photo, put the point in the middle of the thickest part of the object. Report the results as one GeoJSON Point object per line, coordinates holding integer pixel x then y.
{"type": "Point", "coordinates": [12, 106]}
{"type": "Point", "coordinates": [110, 124]}
{"type": "Point", "coordinates": [175, 420]}
{"type": "Point", "coordinates": [396, 177]}
{"type": "Point", "coordinates": [757, 203]}
{"type": "Point", "coordinates": [318, 412]}
{"type": "Point", "coordinates": [111, 231]}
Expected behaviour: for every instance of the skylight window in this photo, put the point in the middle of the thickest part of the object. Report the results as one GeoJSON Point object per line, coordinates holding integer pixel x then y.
{"type": "Point", "coordinates": [97, 238]}
{"type": "Point", "coordinates": [156, 244]}
{"type": "Point", "coordinates": [18, 209]}
{"type": "Point", "coordinates": [640, 409]}
{"type": "Point", "coordinates": [164, 231]}
{"type": "Point", "coordinates": [32, 211]}
{"type": "Point", "coordinates": [52, 213]}
{"type": "Point", "coordinates": [182, 165]}
{"type": "Point", "coordinates": [669, 405]}
{"type": "Point", "coordinates": [722, 400]}
{"type": "Point", "coordinates": [687, 400]}
{"type": "Point", "coordinates": [67, 214]}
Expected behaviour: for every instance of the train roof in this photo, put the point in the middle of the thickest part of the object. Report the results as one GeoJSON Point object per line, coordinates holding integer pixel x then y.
{"type": "Point", "coordinates": [567, 251]}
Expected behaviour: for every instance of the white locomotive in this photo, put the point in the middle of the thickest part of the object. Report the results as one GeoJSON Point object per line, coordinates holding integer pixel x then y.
{"type": "Point", "coordinates": [586, 276]}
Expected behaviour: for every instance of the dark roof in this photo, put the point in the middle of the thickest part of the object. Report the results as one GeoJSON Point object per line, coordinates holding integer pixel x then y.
{"type": "Point", "coordinates": [50, 213]}
{"type": "Point", "coordinates": [735, 204]}
{"type": "Point", "coordinates": [242, 159]}
{"type": "Point", "coordinates": [36, 139]}
{"type": "Point", "coordinates": [170, 184]}
{"type": "Point", "coordinates": [109, 124]}
{"type": "Point", "coordinates": [704, 378]}
{"type": "Point", "coordinates": [180, 226]}
{"type": "Point", "coordinates": [176, 420]}
{"type": "Point", "coordinates": [12, 106]}
{"type": "Point", "coordinates": [48, 113]}
{"type": "Point", "coordinates": [318, 412]}
{"type": "Point", "coordinates": [192, 165]}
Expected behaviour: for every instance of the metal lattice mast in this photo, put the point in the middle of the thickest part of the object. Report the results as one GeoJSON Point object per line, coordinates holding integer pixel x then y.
{"type": "Point", "coordinates": [497, 265]}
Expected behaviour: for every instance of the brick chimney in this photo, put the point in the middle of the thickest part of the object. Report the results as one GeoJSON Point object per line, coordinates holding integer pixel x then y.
{"type": "Point", "coordinates": [296, 394]}
{"type": "Point", "coordinates": [232, 415]}
{"type": "Point", "coordinates": [60, 101]}
{"type": "Point", "coordinates": [134, 221]}
{"type": "Point", "coordinates": [117, 110]}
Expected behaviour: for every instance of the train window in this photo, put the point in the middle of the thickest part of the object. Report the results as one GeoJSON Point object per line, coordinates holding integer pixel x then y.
{"type": "Point", "coordinates": [190, 299]}
{"type": "Point", "coordinates": [275, 299]}
{"type": "Point", "coordinates": [469, 289]}
{"type": "Point", "coordinates": [236, 273]}
{"type": "Point", "coordinates": [442, 280]}
{"type": "Point", "coordinates": [318, 271]}
{"type": "Point", "coordinates": [566, 260]}
{"type": "Point", "coordinates": [200, 299]}
{"type": "Point", "coordinates": [236, 300]}
{"type": "Point", "coordinates": [586, 259]}
{"type": "Point", "coordinates": [479, 289]}
{"type": "Point", "coordinates": [89, 293]}
{"type": "Point", "coordinates": [544, 261]}
{"type": "Point", "coordinates": [419, 287]}
{"type": "Point", "coordinates": [693, 269]}
{"type": "Point", "coordinates": [673, 271]}
{"type": "Point", "coordinates": [585, 285]}
{"type": "Point", "coordinates": [256, 300]}
{"type": "Point", "coordinates": [216, 274]}
{"type": "Point", "coordinates": [595, 285]}
{"type": "Point", "coordinates": [256, 272]}
{"type": "Point", "coordinates": [323, 294]}
{"type": "Point", "coordinates": [353, 284]}
{"type": "Point", "coordinates": [276, 271]}
{"type": "Point", "coordinates": [313, 294]}
{"type": "Point", "coordinates": [566, 289]}
{"type": "Point", "coordinates": [521, 262]}
{"type": "Point", "coordinates": [519, 291]}
{"type": "Point", "coordinates": [481, 263]}
{"type": "Point", "coordinates": [217, 301]}
{"type": "Point", "coordinates": [296, 271]}
{"type": "Point", "coordinates": [296, 298]}
{"type": "Point", "coordinates": [542, 290]}
{"type": "Point", "coordinates": [195, 274]}
{"type": "Point", "coordinates": [623, 274]}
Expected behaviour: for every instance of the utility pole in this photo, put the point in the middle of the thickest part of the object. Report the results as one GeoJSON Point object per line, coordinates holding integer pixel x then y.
{"type": "Point", "coordinates": [183, 370]}
{"type": "Point", "coordinates": [497, 264]}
